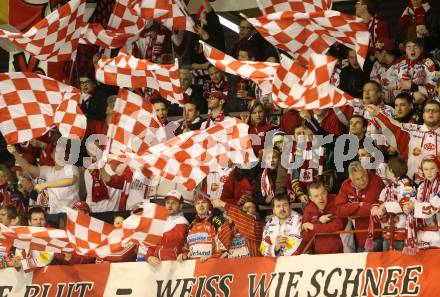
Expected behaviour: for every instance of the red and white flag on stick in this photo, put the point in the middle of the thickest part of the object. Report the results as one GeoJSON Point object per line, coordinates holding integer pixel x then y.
{"type": "Point", "coordinates": [93, 237]}
{"type": "Point", "coordinates": [134, 125]}
{"type": "Point", "coordinates": [127, 71]}
{"type": "Point", "coordinates": [30, 104]}
{"type": "Point", "coordinates": [261, 73]}
{"type": "Point", "coordinates": [35, 238]}
{"type": "Point", "coordinates": [124, 27]}
{"type": "Point", "coordinates": [295, 87]}
{"type": "Point", "coordinates": [173, 14]}
{"type": "Point", "coordinates": [188, 158]}
{"type": "Point", "coordinates": [302, 34]}
{"type": "Point", "coordinates": [271, 6]}
{"type": "Point", "coordinates": [54, 38]}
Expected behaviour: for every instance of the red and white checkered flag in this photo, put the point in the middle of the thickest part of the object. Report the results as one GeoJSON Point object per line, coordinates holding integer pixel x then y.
{"type": "Point", "coordinates": [30, 104]}
{"type": "Point", "coordinates": [54, 38]}
{"type": "Point", "coordinates": [35, 238]}
{"type": "Point", "coordinates": [134, 125]}
{"type": "Point", "coordinates": [127, 71]}
{"type": "Point", "coordinates": [271, 6]}
{"type": "Point", "coordinates": [261, 73]}
{"type": "Point", "coordinates": [188, 158]}
{"type": "Point", "coordinates": [124, 27]}
{"type": "Point", "coordinates": [301, 34]}
{"type": "Point", "coordinates": [93, 237]}
{"type": "Point", "coordinates": [294, 87]}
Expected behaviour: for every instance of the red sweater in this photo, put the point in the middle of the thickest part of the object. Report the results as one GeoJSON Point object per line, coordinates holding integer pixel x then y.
{"type": "Point", "coordinates": [233, 189]}
{"type": "Point", "coordinates": [324, 244]}
{"type": "Point", "coordinates": [259, 131]}
{"type": "Point", "coordinates": [289, 119]}
{"type": "Point", "coordinates": [348, 204]}
{"type": "Point", "coordinates": [173, 238]}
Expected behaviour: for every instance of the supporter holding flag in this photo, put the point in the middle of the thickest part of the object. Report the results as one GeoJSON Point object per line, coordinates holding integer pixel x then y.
{"type": "Point", "coordinates": [412, 141]}
{"type": "Point", "coordinates": [174, 232]}
{"type": "Point", "coordinates": [356, 196]}
{"type": "Point", "coordinates": [246, 226]}
{"type": "Point", "coordinates": [282, 233]}
{"type": "Point", "coordinates": [425, 207]}
{"type": "Point", "coordinates": [209, 235]}
{"type": "Point", "coordinates": [61, 181]}
{"type": "Point", "coordinates": [400, 190]}
{"type": "Point", "coordinates": [319, 217]}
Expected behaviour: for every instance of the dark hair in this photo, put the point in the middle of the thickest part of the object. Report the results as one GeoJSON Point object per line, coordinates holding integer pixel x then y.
{"type": "Point", "coordinates": [378, 85]}
{"type": "Point", "coordinates": [431, 102]}
{"type": "Point", "coordinates": [36, 209]}
{"type": "Point", "coordinates": [159, 100]}
{"type": "Point", "coordinates": [11, 211]}
{"type": "Point", "coordinates": [398, 166]}
{"type": "Point", "coordinates": [364, 121]}
{"type": "Point", "coordinates": [252, 51]}
{"type": "Point", "coordinates": [193, 102]}
{"type": "Point", "coordinates": [372, 6]}
{"type": "Point", "coordinates": [405, 96]}
{"type": "Point", "coordinates": [416, 40]}
{"type": "Point", "coordinates": [282, 197]}
{"type": "Point", "coordinates": [315, 184]}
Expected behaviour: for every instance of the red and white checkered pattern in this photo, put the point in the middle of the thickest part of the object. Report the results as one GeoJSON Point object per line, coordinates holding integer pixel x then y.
{"type": "Point", "coordinates": [134, 126]}
{"type": "Point", "coordinates": [124, 27]}
{"type": "Point", "coordinates": [54, 38]}
{"type": "Point", "coordinates": [271, 6]}
{"type": "Point", "coordinates": [31, 103]}
{"type": "Point", "coordinates": [35, 238]}
{"type": "Point", "coordinates": [153, 9]}
{"type": "Point", "coordinates": [189, 157]}
{"type": "Point", "coordinates": [93, 237]}
{"type": "Point", "coordinates": [301, 34]}
{"type": "Point", "coordinates": [130, 72]}
{"type": "Point", "coordinates": [294, 87]}
{"type": "Point", "coordinates": [261, 73]}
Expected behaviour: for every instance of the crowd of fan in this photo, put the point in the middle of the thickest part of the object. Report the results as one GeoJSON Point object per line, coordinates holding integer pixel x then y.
{"type": "Point", "coordinates": [397, 95]}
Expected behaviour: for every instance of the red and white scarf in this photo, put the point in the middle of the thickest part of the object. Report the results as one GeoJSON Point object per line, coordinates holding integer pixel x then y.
{"type": "Point", "coordinates": [267, 188]}
{"type": "Point", "coordinates": [99, 189]}
{"type": "Point", "coordinates": [306, 171]}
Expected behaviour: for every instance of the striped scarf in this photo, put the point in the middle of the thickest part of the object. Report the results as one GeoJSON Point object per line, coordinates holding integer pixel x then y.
{"type": "Point", "coordinates": [267, 188]}
{"type": "Point", "coordinates": [309, 163]}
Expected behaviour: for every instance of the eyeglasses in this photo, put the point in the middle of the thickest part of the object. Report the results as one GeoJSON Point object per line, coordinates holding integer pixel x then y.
{"type": "Point", "coordinates": [84, 82]}
{"type": "Point", "coordinates": [432, 110]}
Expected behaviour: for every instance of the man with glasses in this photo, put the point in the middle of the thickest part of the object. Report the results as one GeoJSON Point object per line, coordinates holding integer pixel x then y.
{"type": "Point", "coordinates": [414, 142]}
{"type": "Point", "coordinates": [94, 107]}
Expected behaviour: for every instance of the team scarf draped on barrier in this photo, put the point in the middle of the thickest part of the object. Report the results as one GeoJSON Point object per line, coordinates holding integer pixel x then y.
{"type": "Point", "coordinates": [127, 71]}
{"type": "Point", "coordinates": [362, 274]}
{"type": "Point", "coordinates": [134, 125]}
{"type": "Point", "coordinates": [188, 158]}
{"type": "Point", "coordinates": [30, 104]}
{"type": "Point", "coordinates": [301, 34]}
{"type": "Point", "coordinates": [262, 73]}
{"type": "Point", "coordinates": [35, 238]}
{"type": "Point", "coordinates": [54, 38]}
{"type": "Point", "coordinates": [271, 6]}
{"type": "Point", "coordinates": [298, 88]}
{"type": "Point", "coordinates": [93, 237]}
{"type": "Point", "coordinates": [89, 236]}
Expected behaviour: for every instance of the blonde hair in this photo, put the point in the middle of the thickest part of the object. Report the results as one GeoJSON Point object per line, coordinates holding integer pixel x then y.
{"type": "Point", "coordinates": [355, 166]}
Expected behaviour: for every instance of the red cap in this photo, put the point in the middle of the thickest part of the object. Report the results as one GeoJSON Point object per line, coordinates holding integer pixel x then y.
{"type": "Point", "coordinates": [81, 205]}
{"type": "Point", "coordinates": [386, 44]}
{"type": "Point", "coordinates": [216, 94]}
{"type": "Point", "coordinates": [174, 194]}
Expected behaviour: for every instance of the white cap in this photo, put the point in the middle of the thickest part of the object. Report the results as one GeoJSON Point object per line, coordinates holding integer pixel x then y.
{"type": "Point", "coordinates": [174, 194]}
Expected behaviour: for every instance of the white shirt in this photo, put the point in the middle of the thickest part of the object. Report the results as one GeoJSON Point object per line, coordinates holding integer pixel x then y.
{"type": "Point", "coordinates": [60, 197]}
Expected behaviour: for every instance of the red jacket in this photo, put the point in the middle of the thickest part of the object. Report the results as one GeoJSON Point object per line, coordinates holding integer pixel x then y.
{"type": "Point", "coordinates": [260, 131]}
{"type": "Point", "coordinates": [332, 125]}
{"type": "Point", "coordinates": [289, 119]}
{"type": "Point", "coordinates": [247, 226]}
{"type": "Point", "coordinates": [348, 204]}
{"type": "Point", "coordinates": [172, 240]}
{"type": "Point", "coordinates": [75, 259]}
{"type": "Point", "coordinates": [233, 189]}
{"type": "Point", "coordinates": [324, 244]}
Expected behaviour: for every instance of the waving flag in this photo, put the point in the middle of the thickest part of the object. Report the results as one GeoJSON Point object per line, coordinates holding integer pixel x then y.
{"type": "Point", "coordinates": [93, 237]}
{"type": "Point", "coordinates": [54, 38]}
{"type": "Point", "coordinates": [302, 34]}
{"type": "Point", "coordinates": [31, 103]}
{"type": "Point", "coordinates": [35, 238]}
{"type": "Point", "coordinates": [130, 72]}
{"type": "Point", "coordinates": [188, 158]}
{"type": "Point", "coordinates": [271, 6]}
{"type": "Point", "coordinates": [261, 73]}
{"type": "Point", "coordinates": [298, 88]}
{"type": "Point", "coordinates": [134, 126]}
